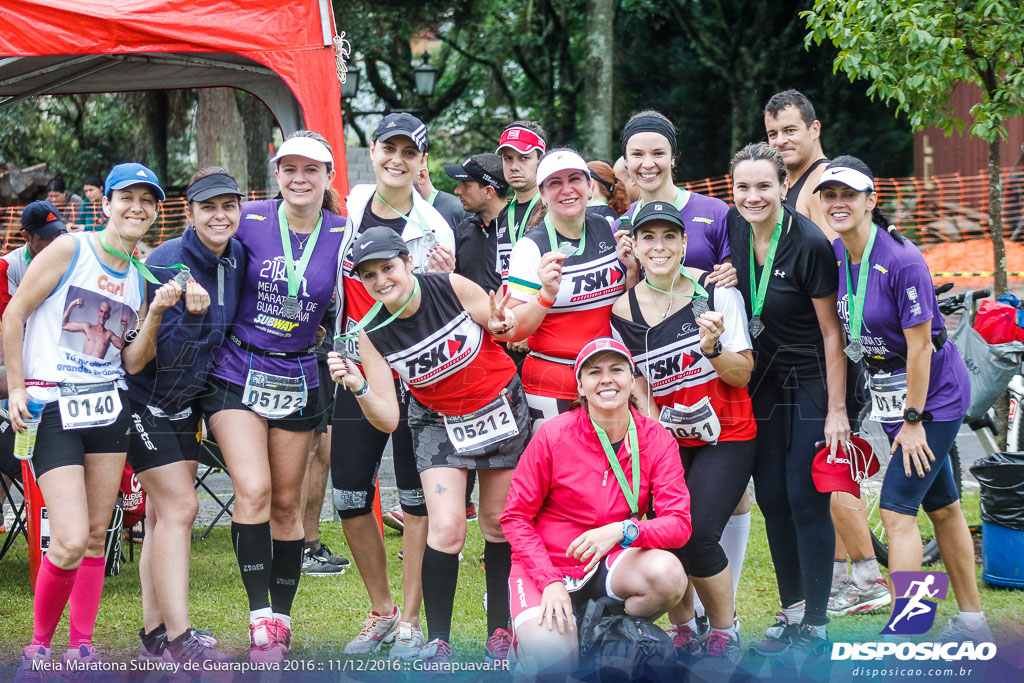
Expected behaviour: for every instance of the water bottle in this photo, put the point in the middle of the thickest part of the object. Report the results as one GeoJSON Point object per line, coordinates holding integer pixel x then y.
{"type": "Point", "coordinates": [25, 440]}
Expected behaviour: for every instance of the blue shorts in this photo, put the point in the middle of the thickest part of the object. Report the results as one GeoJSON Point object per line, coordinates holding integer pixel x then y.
{"type": "Point", "coordinates": [936, 489]}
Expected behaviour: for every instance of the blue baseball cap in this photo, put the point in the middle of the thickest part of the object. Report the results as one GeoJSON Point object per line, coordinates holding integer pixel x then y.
{"type": "Point", "coordinates": [126, 175]}
{"type": "Point", "coordinates": [43, 219]}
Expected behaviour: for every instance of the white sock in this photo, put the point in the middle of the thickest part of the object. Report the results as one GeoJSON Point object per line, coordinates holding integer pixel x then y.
{"type": "Point", "coordinates": [973, 620]}
{"type": "Point", "coordinates": [263, 612]}
{"type": "Point", "coordinates": [698, 606]}
{"type": "Point", "coordinates": [732, 630]}
{"type": "Point", "coordinates": [819, 631]}
{"type": "Point", "coordinates": [691, 624]}
{"type": "Point", "coordinates": [794, 613]}
{"type": "Point", "coordinates": [286, 618]}
{"type": "Point", "coordinates": [865, 572]}
{"type": "Point", "coordinates": [734, 543]}
{"type": "Point", "coordinates": [839, 573]}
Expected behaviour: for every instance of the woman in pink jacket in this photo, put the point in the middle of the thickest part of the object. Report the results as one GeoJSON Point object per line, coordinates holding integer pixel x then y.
{"type": "Point", "coordinates": [574, 512]}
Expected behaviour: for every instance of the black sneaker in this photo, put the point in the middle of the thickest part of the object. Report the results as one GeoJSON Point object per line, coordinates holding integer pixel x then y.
{"type": "Point", "coordinates": [324, 554]}
{"type": "Point", "coordinates": [154, 645]}
{"type": "Point", "coordinates": [194, 648]}
{"type": "Point", "coordinates": [314, 566]}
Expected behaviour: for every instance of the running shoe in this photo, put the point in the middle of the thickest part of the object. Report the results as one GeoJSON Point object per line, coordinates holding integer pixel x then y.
{"type": "Point", "coordinates": [723, 647]}
{"type": "Point", "coordinates": [498, 646]}
{"type": "Point", "coordinates": [313, 565]}
{"type": "Point", "coordinates": [284, 636]}
{"type": "Point", "coordinates": [807, 646]}
{"type": "Point", "coordinates": [263, 642]}
{"type": "Point", "coordinates": [408, 642]}
{"type": "Point", "coordinates": [471, 512]}
{"type": "Point", "coordinates": [853, 599]}
{"type": "Point", "coordinates": [34, 660]}
{"type": "Point", "coordinates": [194, 649]}
{"type": "Point", "coordinates": [377, 630]}
{"type": "Point", "coordinates": [703, 627]}
{"type": "Point", "coordinates": [834, 591]}
{"type": "Point", "coordinates": [153, 647]}
{"type": "Point", "coordinates": [956, 631]}
{"type": "Point", "coordinates": [324, 554]}
{"type": "Point", "coordinates": [777, 638]}
{"type": "Point", "coordinates": [395, 519]}
{"type": "Point", "coordinates": [437, 657]}
{"type": "Point", "coordinates": [685, 640]}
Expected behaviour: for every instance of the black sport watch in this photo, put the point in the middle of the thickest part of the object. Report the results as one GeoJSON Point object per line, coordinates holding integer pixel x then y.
{"type": "Point", "coordinates": [716, 352]}
{"type": "Point", "coordinates": [913, 415]}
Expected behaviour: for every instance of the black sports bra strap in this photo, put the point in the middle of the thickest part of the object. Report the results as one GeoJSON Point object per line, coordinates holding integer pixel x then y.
{"type": "Point", "coordinates": [634, 307]}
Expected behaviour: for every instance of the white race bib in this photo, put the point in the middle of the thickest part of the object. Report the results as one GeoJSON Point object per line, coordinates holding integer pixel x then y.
{"type": "Point", "coordinates": [493, 423]}
{"type": "Point", "coordinates": [699, 421]}
{"type": "Point", "coordinates": [572, 585]}
{"type": "Point", "coordinates": [888, 394]}
{"type": "Point", "coordinates": [88, 405]}
{"type": "Point", "coordinates": [351, 344]}
{"type": "Point", "coordinates": [274, 396]}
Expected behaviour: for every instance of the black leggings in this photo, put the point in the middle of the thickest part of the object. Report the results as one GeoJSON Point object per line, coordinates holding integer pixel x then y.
{"type": "Point", "coordinates": [796, 516]}
{"type": "Point", "coordinates": [716, 476]}
{"type": "Point", "coordinates": [356, 450]}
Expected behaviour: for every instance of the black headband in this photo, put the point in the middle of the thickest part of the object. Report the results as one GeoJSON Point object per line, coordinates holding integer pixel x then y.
{"type": "Point", "coordinates": [608, 186]}
{"type": "Point", "coordinates": [649, 124]}
{"type": "Point", "coordinates": [210, 186]}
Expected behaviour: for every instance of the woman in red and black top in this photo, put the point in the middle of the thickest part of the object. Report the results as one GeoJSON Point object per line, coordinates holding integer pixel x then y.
{"type": "Point", "coordinates": [467, 411]}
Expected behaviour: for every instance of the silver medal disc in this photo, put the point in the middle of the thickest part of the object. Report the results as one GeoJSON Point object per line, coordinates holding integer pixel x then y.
{"type": "Point", "coordinates": [290, 307]}
{"type": "Point", "coordinates": [854, 350]}
{"type": "Point", "coordinates": [429, 240]}
{"type": "Point", "coordinates": [341, 347]}
{"type": "Point", "coordinates": [566, 249]}
{"type": "Point", "coordinates": [182, 279]}
{"type": "Point", "coordinates": [756, 326]}
{"type": "Point", "coordinates": [700, 307]}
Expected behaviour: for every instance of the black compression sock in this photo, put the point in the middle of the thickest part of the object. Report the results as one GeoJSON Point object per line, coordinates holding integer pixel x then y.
{"type": "Point", "coordinates": [497, 564]}
{"type": "Point", "coordinates": [285, 571]}
{"type": "Point", "coordinates": [254, 552]}
{"type": "Point", "coordinates": [440, 576]}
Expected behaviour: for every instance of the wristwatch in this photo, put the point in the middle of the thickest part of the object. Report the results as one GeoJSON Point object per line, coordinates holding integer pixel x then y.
{"type": "Point", "coordinates": [913, 415]}
{"type": "Point", "coordinates": [716, 352]}
{"type": "Point", "coordinates": [630, 532]}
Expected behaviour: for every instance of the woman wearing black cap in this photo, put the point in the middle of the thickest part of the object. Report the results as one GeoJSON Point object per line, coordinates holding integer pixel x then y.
{"type": "Point", "coordinates": [399, 150]}
{"type": "Point", "coordinates": [164, 398]}
{"type": "Point", "coordinates": [690, 342]}
{"type": "Point", "coordinates": [466, 408]}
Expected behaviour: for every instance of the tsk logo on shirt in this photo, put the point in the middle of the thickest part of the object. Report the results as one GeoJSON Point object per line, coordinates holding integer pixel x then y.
{"type": "Point", "coordinates": [438, 358]}
{"type": "Point", "coordinates": [669, 368]}
{"type": "Point", "coordinates": [594, 283]}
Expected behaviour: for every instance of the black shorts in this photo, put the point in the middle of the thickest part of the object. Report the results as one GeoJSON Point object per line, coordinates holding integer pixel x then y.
{"type": "Point", "coordinates": [433, 448]}
{"type": "Point", "coordinates": [326, 388]}
{"type": "Point", "coordinates": [59, 447]}
{"type": "Point", "coordinates": [155, 441]}
{"type": "Point", "coordinates": [224, 395]}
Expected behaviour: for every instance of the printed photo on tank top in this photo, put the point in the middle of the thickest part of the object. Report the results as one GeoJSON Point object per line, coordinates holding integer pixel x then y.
{"type": "Point", "coordinates": [94, 325]}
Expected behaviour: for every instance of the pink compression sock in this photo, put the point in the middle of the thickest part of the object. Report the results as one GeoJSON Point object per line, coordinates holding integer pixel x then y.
{"type": "Point", "coordinates": [85, 601]}
{"type": "Point", "coordinates": [53, 586]}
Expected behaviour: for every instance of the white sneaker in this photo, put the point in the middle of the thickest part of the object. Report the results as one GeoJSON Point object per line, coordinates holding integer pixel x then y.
{"type": "Point", "coordinates": [377, 630]}
{"type": "Point", "coordinates": [408, 642]}
{"type": "Point", "coordinates": [956, 631]}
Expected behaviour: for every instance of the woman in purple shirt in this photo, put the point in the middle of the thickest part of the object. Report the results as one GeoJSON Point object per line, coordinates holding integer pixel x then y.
{"type": "Point", "coordinates": [263, 401]}
{"type": "Point", "coordinates": [920, 387]}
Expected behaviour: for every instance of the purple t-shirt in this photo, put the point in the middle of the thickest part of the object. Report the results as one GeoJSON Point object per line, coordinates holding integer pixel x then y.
{"type": "Point", "coordinates": [899, 296]}
{"type": "Point", "coordinates": [707, 238]}
{"type": "Point", "coordinates": [260, 322]}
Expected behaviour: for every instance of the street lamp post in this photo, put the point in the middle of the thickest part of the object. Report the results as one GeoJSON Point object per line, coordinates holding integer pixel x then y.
{"type": "Point", "coordinates": [425, 74]}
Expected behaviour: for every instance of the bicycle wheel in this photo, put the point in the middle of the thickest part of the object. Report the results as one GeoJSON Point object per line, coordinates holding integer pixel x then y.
{"type": "Point", "coordinates": [871, 491]}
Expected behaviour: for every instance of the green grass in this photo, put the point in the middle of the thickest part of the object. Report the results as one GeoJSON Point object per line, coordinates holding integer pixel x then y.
{"type": "Point", "coordinates": [330, 610]}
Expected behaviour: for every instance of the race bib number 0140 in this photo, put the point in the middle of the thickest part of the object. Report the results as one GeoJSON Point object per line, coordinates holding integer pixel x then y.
{"type": "Point", "coordinates": [493, 423]}
{"type": "Point", "coordinates": [88, 405]}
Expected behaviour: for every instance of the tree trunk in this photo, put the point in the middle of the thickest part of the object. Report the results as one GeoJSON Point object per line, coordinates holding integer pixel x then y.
{"type": "Point", "coordinates": [599, 81]}
{"type": "Point", "coordinates": [156, 110]}
{"type": "Point", "coordinates": [995, 217]}
{"type": "Point", "coordinates": [259, 133]}
{"type": "Point", "coordinates": [220, 135]}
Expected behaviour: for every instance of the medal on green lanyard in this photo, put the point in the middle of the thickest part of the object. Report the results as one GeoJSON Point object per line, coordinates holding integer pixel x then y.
{"type": "Point", "coordinates": [340, 339]}
{"type": "Point", "coordinates": [516, 231]}
{"type": "Point", "coordinates": [757, 295]}
{"type": "Point", "coordinates": [855, 349]}
{"type": "Point", "coordinates": [565, 248]}
{"type": "Point", "coordinates": [699, 298]}
{"type": "Point", "coordinates": [293, 271]}
{"type": "Point", "coordinates": [141, 267]}
{"type": "Point", "coordinates": [429, 238]}
{"type": "Point", "coordinates": [632, 495]}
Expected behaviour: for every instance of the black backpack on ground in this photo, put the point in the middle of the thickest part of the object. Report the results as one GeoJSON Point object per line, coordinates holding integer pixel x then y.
{"type": "Point", "coordinates": [617, 647]}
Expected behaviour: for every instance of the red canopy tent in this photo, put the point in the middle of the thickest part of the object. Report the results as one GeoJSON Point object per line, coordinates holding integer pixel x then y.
{"type": "Point", "coordinates": [280, 52]}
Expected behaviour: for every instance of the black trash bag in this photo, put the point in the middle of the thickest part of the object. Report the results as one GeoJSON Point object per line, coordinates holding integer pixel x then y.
{"type": "Point", "coordinates": [1001, 476]}
{"type": "Point", "coordinates": [617, 647]}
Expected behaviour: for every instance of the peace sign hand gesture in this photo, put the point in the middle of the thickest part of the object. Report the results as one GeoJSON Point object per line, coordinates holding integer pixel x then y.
{"type": "Point", "coordinates": [502, 320]}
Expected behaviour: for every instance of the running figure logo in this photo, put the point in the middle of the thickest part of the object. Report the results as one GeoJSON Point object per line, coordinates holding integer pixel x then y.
{"type": "Point", "coordinates": [916, 593]}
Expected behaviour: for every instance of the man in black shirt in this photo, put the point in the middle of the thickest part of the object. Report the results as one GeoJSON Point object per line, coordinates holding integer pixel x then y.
{"type": "Point", "coordinates": [447, 204]}
{"type": "Point", "coordinates": [482, 190]}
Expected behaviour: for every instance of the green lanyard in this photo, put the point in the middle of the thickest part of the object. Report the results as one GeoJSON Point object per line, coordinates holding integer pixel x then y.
{"type": "Point", "coordinates": [433, 197]}
{"type": "Point", "coordinates": [698, 290]}
{"type": "Point", "coordinates": [632, 495]}
{"type": "Point", "coordinates": [679, 202]}
{"type": "Point", "coordinates": [856, 307]}
{"type": "Point", "coordinates": [597, 201]}
{"type": "Point", "coordinates": [419, 222]}
{"type": "Point", "coordinates": [139, 265]}
{"type": "Point", "coordinates": [757, 295]}
{"type": "Point", "coordinates": [516, 231]}
{"type": "Point", "coordinates": [553, 242]}
{"type": "Point", "coordinates": [294, 272]}
{"type": "Point", "coordinates": [354, 332]}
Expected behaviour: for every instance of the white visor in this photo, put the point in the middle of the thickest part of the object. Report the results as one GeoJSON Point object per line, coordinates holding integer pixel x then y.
{"type": "Point", "coordinates": [850, 177]}
{"type": "Point", "coordinates": [304, 147]}
{"type": "Point", "coordinates": [560, 160]}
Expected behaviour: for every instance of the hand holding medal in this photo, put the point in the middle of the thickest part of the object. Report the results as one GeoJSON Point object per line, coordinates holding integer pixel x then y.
{"type": "Point", "coordinates": [345, 372]}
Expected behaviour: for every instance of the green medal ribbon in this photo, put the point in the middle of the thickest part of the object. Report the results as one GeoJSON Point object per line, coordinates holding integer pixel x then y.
{"type": "Point", "coordinates": [757, 295]}
{"type": "Point", "coordinates": [139, 265]}
{"type": "Point", "coordinates": [516, 231]}
{"type": "Point", "coordinates": [856, 306]}
{"type": "Point", "coordinates": [632, 495]}
{"type": "Point", "coordinates": [433, 197]}
{"type": "Point", "coordinates": [354, 332]}
{"type": "Point", "coordinates": [294, 271]}
{"type": "Point", "coordinates": [698, 290]}
{"type": "Point", "coordinates": [418, 222]}
{"type": "Point", "coordinates": [552, 235]}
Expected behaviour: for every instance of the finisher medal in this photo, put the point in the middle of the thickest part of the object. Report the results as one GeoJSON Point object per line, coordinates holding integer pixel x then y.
{"type": "Point", "coordinates": [756, 327]}
{"type": "Point", "coordinates": [566, 249]}
{"type": "Point", "coordinates": [854, 350]}
{"type": "Point", "coordinates": [429, 240]}
{"type": "Point", "coordinates": [182, 279]}
{"type": "Point", "coordinates": [700, 307]}
{"type": "Point", "coordinates": [341, 347]}
{"type": "Point", "coordinates": [290, 307]}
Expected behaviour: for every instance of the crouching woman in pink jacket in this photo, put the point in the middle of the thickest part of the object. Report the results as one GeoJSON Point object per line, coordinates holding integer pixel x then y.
{"type": "Point", "coordinates": [574, 512]}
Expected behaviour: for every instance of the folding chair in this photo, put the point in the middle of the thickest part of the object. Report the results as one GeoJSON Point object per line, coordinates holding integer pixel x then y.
{"type": "Point", "coordinates": [17, 527]}
{"type": "Point", "coordinates": [211, 461]}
